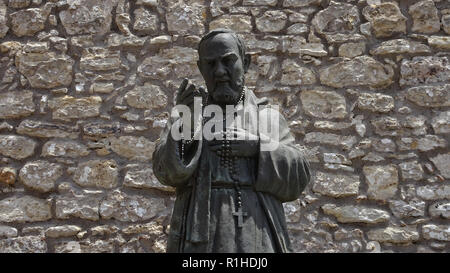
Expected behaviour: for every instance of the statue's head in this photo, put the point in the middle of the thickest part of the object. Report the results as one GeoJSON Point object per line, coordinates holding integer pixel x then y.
{"type": "Point", "coordinates": [223, 63]}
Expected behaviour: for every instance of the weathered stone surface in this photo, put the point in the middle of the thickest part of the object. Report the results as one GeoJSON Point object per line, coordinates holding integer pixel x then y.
{"type": "Point", "coordinates": [268, 66]}
{"type": "Point", "coordinates": [387, 126]}
{"type": "Point", "coordinates": [337, 21]}
{"type": "Point", "coordinates": [299, 28]}
{"type": "Point", "coordinates": [299, 3]}
{"type": "Point", "coordinates": [82, 204]}
{"type": "Point", "coordinates": [142, 177]}
{"type": "Point", "coordinates": [16, 104]}
{"type": "Point", "coordinates": [385, 18]}
{"type": "Point", "coordinates": [445, 20]}
{"type": "Point", "coordinates": [294, 74]}
{"type": "Point", "coordinates": [8, 175]}
{"type": "Point", "coordinates": [130, 208]}
{"type": "Point", "coordinates": [148, 96]}
{"type": "Point", "coordinates": [351, 50]}
{"type": "Point", "coordinates": [86, 246]}
{"type": "Point", "coordinates": [133, 148]}
{"type": "Point", "coordinates": [260, 2]}
{"type": "Point", "coordinates": [323, 104]}
{"type": "Point", "coordinates": [396, 235]}
{"type": "Point", "coordinates": [330, 166]}
{"type": "Point", "coordinates": [430, 96]}
{"type": "Point", "coordinates": [40, 175]}
{"type": "Point", "coordinates": [400, 46]}
{"type": "Point", "coordinates": [257, 45]}
{"type": "Point", "coordinates": [424, 70]}
{"type": "Point", "coordinates": [87, 16]}
{"type": "Point", "coordinates": [26, 244]}
{"type": "Point", "coordinates": [17, 147]}
{"type": "Point", "coordinates": [100, 87]}
{"type": "Point", "coordinates": [104, 230]}
{"type": "Point", "coordinates": [3, 20]}
{"type": "Point", "coordinates": [424, 144]}
{"type": "Point", "coordinates": [67, 107]}
{"type": "Point", "coordinates": [150, 3]}
{"type": "Point", "coordinates": [298, 45]}
{"type": "Point", "coordinates": [129, 42]}
{"type": "Point", "coordinates": [64, 148]}
{"type": "Point", "coordinates": [425, 17]}
{"type": "Point", "coordinates": [411, 170]}
{"type": "Point", "coordinates": [182, 61]}
{"type": "Point", "coordinates": [97, 173]}
{"type": "Point", "coordinates": [440, 210]}
{"type": "Point", "coordinates": [152, 228]}
{"type": "Point", "coordinates": [359, 71]}
{"type": "Point", "coordinates": [336, 185]}
{"type": "Point", "coordinates": [184, 18]}
{"type": "Point", "coordinates": [100, 129]}
{"type": "Point", "coordinates": [24, 209]}
{"type": "Point", "coordinates": [29, 21]}
{"type": "Point", "coordinates": [336, 158]}
{"type": "Point", "coordinates": [414, 124]}
{"type": "Point", "coordinates": [45, 69]}
{"type": "Point", "coordinates": [145, 21]}
{"type": "Point", "coordinates": [434, 192]}
{"type": "Point", "coordinates": [100, 59]}
{"type": "Point", "coordinates": [62, 231]}
{"type": "Point", "coordinates": [391, 126]}
{"type": "Point", "coordinates": [373, 157]}
{"type": "Point", "coordinates": [356, 214]}
{"type": "Point", "coordinates": [439, 42]}
{"type": "Point", "coordinates": [46, 129]}
{"type": "Point", "coordinates": [436, 232]}
{"type": "Point", "coordinates": [237, 23]}
{"type": "Point", "coordinates": [19, 4]}
{"type": "Point", "coordinates": [346, 142]}
{"type": "Point", "coordinates": [8, 232]}
{"type": "Point", "coordinates": [331, 125]}
{"type": "Point", "coordinates": [402, 209]}
{"type": "Point", "coordinates": [442, 163]}
{"type": "Point", "coordinates": [271, 21]}
{"type": "Point", "coordinates": [375, 102]}
{"type": "Point", "coordinates": [382, 181]}
{"type": "Point", "coordinates": [226, 3]}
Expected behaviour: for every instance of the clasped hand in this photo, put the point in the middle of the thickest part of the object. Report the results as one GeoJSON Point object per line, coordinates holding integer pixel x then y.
{"type": "Point", "coordinates": [244, 143]}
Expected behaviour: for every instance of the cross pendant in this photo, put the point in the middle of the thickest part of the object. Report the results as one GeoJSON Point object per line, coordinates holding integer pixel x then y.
{"type": "Point", "coordinates": [239, 214]}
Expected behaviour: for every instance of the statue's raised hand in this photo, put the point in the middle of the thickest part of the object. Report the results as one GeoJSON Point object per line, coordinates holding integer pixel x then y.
{"type": "Point", "coordinates": [186, 93]}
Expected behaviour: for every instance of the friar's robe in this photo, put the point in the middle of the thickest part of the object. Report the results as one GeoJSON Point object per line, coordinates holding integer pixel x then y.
{"type": "Point", "coordinates": [203, 220]}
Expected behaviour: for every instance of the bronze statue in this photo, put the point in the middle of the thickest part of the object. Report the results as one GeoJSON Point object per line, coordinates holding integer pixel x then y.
{"type": "Point", "coordinates": [229, 190]}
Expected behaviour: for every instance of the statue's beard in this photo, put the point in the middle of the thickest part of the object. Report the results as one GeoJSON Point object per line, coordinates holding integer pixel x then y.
{"type": "Point", "coordinates": [227, 93]}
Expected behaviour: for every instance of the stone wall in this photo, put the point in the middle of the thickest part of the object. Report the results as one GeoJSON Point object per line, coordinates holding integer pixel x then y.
{"type": "Point", "coordinates": [86, 86]}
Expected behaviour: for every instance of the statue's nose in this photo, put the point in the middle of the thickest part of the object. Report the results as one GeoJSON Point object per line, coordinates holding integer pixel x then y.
{"type": "Point", "coordinates": [220, 71]}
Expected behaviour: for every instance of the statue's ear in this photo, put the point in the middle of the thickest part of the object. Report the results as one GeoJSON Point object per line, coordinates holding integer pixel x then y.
{"type": "Point", "coordinates": [247, 60]}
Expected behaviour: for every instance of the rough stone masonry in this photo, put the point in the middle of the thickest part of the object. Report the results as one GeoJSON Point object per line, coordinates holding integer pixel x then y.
{"type": "Point", "coordinates": [86, 86]}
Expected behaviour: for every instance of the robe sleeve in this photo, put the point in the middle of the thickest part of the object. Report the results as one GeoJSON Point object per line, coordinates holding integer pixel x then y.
{"type": "Point", "coordinates": [168, 166]}
{"type": "Point", "coordinates": [283, 172]}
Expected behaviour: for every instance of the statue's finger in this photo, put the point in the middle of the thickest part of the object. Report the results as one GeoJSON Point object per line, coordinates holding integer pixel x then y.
{"type": "Point", "coordinates": [183, 85]}
{"type": "Point", "coordinates": [203, 92]}
{"type": "Point", "coordinates": [188, 99]}
{"type": "Point", "coordinates": [181, 89]}
{"type": "Point", "coordinates": [188, 91]}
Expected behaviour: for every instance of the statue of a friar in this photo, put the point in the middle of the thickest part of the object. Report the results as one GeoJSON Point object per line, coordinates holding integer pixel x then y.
{"type": "Point", "coordinates": [230, 183]}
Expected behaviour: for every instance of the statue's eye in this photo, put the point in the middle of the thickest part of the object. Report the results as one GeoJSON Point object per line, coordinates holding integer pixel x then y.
{"type": "Point", "coordinates": [211, 62]}
{"type": "Point", "coordinates": [229, 60]}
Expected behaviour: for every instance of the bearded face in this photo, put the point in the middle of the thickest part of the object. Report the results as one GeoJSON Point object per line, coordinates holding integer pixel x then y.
{"type": "Point", "coordinates": [222, 69]}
